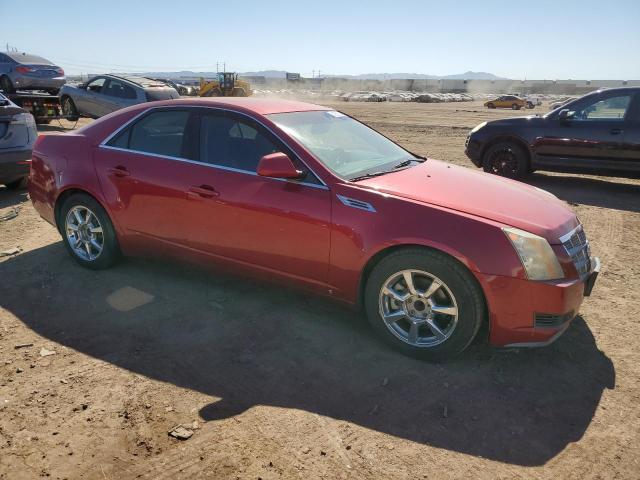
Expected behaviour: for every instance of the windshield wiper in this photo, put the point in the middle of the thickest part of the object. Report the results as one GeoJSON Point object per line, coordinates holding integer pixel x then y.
{"type": "Point", "coordinates": [369, 175]}
{"type": "Point", "coordinates": [407, 162]}
{"type": "Point", "coordinates": [402, 164]}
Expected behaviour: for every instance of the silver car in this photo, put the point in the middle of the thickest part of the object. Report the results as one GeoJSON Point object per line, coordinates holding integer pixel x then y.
{"type": "Point", "coordinates": [17, 135]}
{"type": "Point", "coordinates": [22, 71]}
{"type": "Point", "coordinates": [107, 93]}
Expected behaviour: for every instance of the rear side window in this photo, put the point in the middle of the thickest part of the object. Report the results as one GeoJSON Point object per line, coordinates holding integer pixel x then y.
{"type": "Point", "coordinates": [160, 133]}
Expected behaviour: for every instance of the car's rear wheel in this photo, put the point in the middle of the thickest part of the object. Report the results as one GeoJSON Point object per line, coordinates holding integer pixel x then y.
{"type": "Point", "coordinates": [88, 233]}
{"type": "Point", "coordinates": [69, 109]}
{"type": "Point", "coordinates": [515, 106]}
{"type": "Point", "coordinates": [491, 105]}
{"type": "Point", "coordinates": [506, 159]}
{"type": "Point", "coordinates": [424, 303]}
{"type": "Point", "coordinates": [17, 184]}
{"type": "Point", "coordinates": [5, 84]}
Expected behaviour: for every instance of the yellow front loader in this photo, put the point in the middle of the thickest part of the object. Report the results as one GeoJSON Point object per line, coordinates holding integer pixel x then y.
{"type": "Point", "coordinates": [227, 85]}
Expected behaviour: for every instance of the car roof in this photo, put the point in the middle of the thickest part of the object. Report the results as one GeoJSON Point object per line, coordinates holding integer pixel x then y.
{"type": "Point", "coordinates": [141, 81]}
{"type": "Point", "coordinates": [261, 106]}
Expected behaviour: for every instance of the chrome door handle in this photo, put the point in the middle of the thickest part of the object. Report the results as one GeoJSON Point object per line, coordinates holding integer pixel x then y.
{"type": "Point", "coordinates": [204, 191]}
{"type": "Point", "coordinates": [119, 171]}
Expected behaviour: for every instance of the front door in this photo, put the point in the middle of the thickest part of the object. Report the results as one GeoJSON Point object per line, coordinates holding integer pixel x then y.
{"type": "Point", "coordinates": [270, 223]}
{"type": "Point", "coordinates": [594, 137]}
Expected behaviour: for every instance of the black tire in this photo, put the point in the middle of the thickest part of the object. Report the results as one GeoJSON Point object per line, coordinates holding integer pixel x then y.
{"type": "Point", "coordinates": [5, 84]}
{"type": "Point", "coordinates": [507, 159]}
{"type": "Point", "coordinates": [69, 109]}
{"type": "Point", "coordinates": [17, 184]}
{"type": "Point", "coordinates": [515, 106]}
{"type": "Point", "coordinates": [466, 291]}
{"type": "Point", "coordinates": [491, 105]}
{"type": "Point", "coordinates": [110, 250]}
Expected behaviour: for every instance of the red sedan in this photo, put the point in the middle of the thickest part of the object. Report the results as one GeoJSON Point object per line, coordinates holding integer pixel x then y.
{"type": "Point", "coordinates": [306, 195]}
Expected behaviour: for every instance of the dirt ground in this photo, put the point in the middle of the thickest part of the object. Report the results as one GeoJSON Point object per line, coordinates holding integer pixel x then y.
{"type": "Point", "coordinates": [277, 384]}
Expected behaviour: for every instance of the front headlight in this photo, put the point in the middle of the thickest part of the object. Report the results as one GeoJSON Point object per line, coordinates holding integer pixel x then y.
{"type": "Point", "coordinates": [478, 127]}
{"type": "Point", "coordinates": [537, 257]}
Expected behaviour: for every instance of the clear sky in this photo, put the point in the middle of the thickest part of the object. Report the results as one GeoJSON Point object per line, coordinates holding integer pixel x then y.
{"type": "Point", "coordinates": [535, 39]}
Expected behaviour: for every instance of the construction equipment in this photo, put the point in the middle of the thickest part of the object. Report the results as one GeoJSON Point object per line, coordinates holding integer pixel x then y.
{"type": "Point", "coordinates": [227, 85]}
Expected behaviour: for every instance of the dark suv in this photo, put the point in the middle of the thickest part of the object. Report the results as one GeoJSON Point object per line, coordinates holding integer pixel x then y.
{"type": "Point", "coordinates": [597, 133]}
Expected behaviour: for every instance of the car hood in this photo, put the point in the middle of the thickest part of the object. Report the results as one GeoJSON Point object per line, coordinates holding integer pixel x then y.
{"type": "Point", "coordinates": [481, 194]}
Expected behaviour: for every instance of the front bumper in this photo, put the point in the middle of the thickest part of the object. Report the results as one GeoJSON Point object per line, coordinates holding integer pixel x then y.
{"type": "Point", "coordinates": [14, 165]}
{"type": "Point", "coordinates": [473, 150]}
{"type": "Point", "coordinates": [526, 313]}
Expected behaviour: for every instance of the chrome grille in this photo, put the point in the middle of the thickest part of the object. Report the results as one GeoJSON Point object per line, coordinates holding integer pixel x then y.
{"type": "Point", "coordinates": [577, 246]}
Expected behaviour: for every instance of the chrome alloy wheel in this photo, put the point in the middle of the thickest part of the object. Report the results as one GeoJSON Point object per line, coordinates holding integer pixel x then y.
{"type": "Point", "coordinates": [418, 308]}
{"type": "Point", "coordinates": [84, 233]}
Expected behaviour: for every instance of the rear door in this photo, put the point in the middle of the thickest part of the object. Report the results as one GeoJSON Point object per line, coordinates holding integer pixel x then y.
{"type": "Point", "coordinates": [145, 173]}
{"type": "Point", "coordinates": [596, 137]}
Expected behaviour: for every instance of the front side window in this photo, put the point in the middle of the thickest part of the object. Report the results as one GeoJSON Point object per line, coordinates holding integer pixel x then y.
{"type": "Point", "coordinates": [608, 109]}
{"type": "Point", "coordinates": [160, 133]}
{"type": "Point", "coordinates": [230, 142]}
{"type": "Point", "coordinates": [344, 145]}
{"type": "Point", "coordinates": [96, 85]}
{"type": "Point", "coordinates": [119, 89]}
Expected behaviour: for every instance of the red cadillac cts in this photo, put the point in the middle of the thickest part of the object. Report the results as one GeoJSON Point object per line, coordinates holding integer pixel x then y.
{"type": "Point", "coordinates": [304, 194]}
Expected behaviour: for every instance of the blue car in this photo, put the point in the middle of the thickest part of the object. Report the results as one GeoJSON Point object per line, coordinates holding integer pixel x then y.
{"type": "Point", "coordinates": [22, 71]}
{"type": "Point", "coordinates": [17, 135]}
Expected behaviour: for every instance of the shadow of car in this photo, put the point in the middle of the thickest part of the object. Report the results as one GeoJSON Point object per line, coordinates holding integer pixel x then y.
{"type": "Point", "coordinates": [252, 344]}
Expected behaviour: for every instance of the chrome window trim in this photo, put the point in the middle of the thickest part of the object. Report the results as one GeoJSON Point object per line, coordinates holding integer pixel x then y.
{"type": "Point", "coordinates": [218, 167]}
{"type": "Point", "coordinates": [103, 144]}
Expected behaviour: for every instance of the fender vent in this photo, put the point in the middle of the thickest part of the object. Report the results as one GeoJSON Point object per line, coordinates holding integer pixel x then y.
{"type": "Point", "coordinates": [352, 202]}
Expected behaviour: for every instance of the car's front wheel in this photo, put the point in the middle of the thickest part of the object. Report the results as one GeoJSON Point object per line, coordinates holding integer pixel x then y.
{"type": "Point", "coordinates": [88, 233]}
{"type": "Point", "coordinates": [506, 159]}
{"type": "Point", "coordinates": [515, 106]}
{"type": "Point", "coordinates": [424, 303]}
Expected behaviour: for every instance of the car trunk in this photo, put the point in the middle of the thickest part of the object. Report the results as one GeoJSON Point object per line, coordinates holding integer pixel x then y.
{"type": "Point", "coordinates": [12, 135]}
{"type": "Point", "coordinates": [43, 71]}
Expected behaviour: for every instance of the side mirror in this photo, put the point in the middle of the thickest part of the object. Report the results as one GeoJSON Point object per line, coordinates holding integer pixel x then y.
{"type": "Point", "coordinates": [278, 165]}
{"type": "Point", "coordinates": [566, 114]}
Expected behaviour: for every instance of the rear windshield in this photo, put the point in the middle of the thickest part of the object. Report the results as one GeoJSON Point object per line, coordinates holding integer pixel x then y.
{"type": "Point", "coordinates": [165, 93]}
{"type": "Point", "coordinates": [26, 58]}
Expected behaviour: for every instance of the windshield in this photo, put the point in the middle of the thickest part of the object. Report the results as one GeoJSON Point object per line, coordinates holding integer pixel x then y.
{"type": "Point", "coordinates": [345, 146]}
